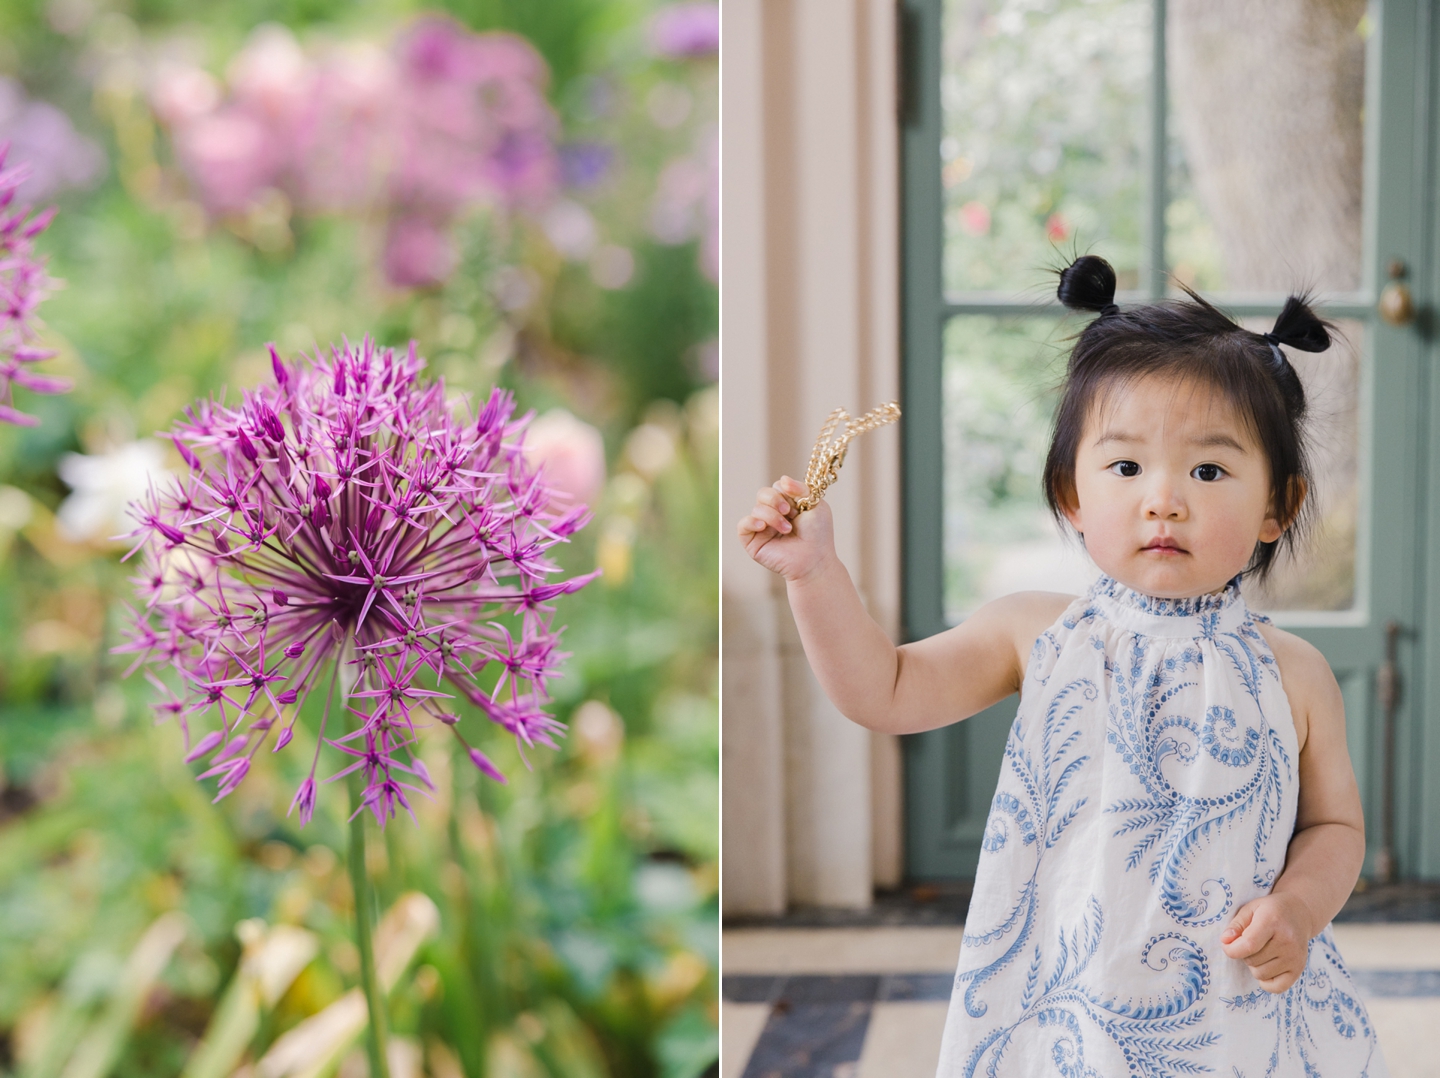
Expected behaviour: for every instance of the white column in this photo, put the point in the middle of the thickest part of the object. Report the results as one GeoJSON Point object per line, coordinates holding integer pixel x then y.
{"type": "Point", "coordinates": [828, 757]}
{"type": "Point", "coordinates": [810, 322]}
{"type": "Point", "coordinates": [879, 462]}
{"type": "Point", "coordinates": [752, 791]}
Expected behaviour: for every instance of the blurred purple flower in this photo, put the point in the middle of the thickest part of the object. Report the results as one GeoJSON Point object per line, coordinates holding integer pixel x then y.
{"type": "Point", "coordinates": [683, 30]}
{"type": "Point", "coordinates": [446, 120]}
{"type": "Point", "coordinates": [44, 138]}
{"type": "Point", "coordinates": [584, 164]}
{"type": "Point", "coordinates": [23, 284]}
{"type": "Point", "coordinates": [687, 202]}
{"type": "Point", "coordinates": [341, 526]}
{"type": "Point", "coordinates": [474, 121]}
{"type": "Point", "coordinates": [231, 155]}
{"type": "Point", "coordinates": [418, 253]}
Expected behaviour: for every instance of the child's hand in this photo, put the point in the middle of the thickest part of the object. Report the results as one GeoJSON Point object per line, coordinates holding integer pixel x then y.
{"type": "Point", "coordinates": [783, 540]}
{"type": "Point", "coordinates": [1270, 935]}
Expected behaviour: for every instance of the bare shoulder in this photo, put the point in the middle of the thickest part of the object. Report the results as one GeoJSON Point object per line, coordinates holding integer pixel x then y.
{"type": "Point", "coordinates": [1309, 683]}
{"type": "Point", "coordinates": [1024, 615]}
{"type": "Point", "coordinates": [1035, 608]}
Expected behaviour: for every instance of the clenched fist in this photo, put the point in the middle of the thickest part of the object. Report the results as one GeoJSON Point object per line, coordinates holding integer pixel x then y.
{"type": "Point", "coordinates": [1270, 935]}
{"type": "Point", "coordinates": [793, 544]}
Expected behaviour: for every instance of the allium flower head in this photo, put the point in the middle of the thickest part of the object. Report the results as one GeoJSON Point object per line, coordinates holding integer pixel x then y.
{"type": "Point", "coordinates": [340, 527]}
{"type": "Point", "coordinates": [23, 284]}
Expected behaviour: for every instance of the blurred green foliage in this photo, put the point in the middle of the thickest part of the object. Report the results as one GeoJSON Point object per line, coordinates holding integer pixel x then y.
{"type": "Point", "coordinates": [579, 930]}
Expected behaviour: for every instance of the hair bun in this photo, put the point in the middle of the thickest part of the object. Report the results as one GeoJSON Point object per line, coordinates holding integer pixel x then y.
{"type": "Point", "coordinates": [1087, 284]}
{"type": "Point", "coordinates": [1299, 327]}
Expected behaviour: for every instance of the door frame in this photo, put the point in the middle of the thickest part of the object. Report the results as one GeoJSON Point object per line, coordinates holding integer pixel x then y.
{"type": "Point", "coordinates": [1397, 578]}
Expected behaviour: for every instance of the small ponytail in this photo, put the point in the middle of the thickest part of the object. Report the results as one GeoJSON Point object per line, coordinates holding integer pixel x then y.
{"type": "Point", "coordinates": [1299, 327]}
{"type": "Point", "coordinates": [1088, 284]}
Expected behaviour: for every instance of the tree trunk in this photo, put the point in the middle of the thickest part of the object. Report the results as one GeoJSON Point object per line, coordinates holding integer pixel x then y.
{"type": "Point", "coordinates": [1269, 98]}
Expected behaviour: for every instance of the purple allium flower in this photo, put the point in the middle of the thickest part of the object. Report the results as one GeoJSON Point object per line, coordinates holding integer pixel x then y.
{"type": "Point", "coordinates": [341, 526]}
{"type": "Point", "coordinates": [690, 29]}
{"type": "Point", "coordinates": [23, 284]}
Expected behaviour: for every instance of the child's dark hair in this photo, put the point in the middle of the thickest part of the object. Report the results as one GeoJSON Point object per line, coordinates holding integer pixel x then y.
{"type": "Point", "coordinates": [1189, 339]}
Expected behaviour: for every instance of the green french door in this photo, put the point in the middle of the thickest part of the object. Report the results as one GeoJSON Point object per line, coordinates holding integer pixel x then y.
{"type": "Point", "coordinates": [1246, 161]}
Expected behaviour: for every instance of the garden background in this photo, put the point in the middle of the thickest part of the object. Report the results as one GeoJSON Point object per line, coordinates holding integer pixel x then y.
{"type": "Point", "coordinates": [571, 258]}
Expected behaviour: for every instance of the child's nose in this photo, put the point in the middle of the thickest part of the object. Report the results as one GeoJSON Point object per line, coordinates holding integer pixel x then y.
{"type": "Point", "coordinates": [1164, 502]}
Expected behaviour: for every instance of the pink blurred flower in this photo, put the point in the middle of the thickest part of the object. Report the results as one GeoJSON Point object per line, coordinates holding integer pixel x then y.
{"type": "Point", "coordinates": [975, 218]}
{"type": "Point", "coordinates": [418, 253]}
{"type": "Point", "coordinates": [272, 75]}
{"type": "Point", "coordinates": [231, 155]}
{"type": "Point", "coordinates": [474, 121]}
{"type": "Point", "coordinates": [42, 136]}
{"type": "Point", "coordinates": [181, 93]}
{"type": "Point", "coordinates": [569, 454]}
{"type": "Point", "coordinates": [682, 30]}
{"type": "Point", "coordinates": [446, 120]}
{"type": "Point", "coordinates": [687, 202]}
{"type": "Point", "coordinates": [1057, 227]}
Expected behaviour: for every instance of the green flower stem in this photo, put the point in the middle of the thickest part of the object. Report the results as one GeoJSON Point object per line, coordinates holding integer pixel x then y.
{"type": "Point", "coordinates": [376, 1032]}
{"type": "Point", "coordinates": [375, 1036]}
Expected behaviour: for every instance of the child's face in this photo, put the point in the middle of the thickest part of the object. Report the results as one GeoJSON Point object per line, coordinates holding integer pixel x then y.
{"type": "Point", "coordinates": [1172, 489]}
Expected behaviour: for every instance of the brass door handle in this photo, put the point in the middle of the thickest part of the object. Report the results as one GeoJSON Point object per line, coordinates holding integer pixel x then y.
{"type": "Point", "coordinates": [1396, 305]}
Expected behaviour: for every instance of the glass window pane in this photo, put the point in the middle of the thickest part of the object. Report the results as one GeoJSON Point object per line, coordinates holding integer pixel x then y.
{"type": "Point", "coordinates": [1266, 126]}
{"type": "Point", "coordinates": [999, 382]}
{"type": "Point", "coordinates": [1000, 376]}
{"type": "Point", "coordinates": [1045, 109]}
{"type": "Point", "coordinates": [1321, 575]}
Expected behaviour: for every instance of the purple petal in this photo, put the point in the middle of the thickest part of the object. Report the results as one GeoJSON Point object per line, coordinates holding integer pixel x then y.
{"type": "Point", "coordinates": [480, 760]}
{"type": "Point", "coordinates": [206, 743]}
{"type": "Point", "coordinates": [247, 447]}
{"type": "Point", "coordinates": [20, 419]}
{"type": "Point", "coordinates": [304, 800]}
{"type": "Point", "coordinates": [186, 454]}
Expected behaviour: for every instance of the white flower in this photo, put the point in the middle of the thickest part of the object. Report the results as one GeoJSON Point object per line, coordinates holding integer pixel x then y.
{"type": "Point", "coordinates": [104, 484]}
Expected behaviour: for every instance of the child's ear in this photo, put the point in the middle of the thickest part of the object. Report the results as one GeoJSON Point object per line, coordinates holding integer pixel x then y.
{"type": "Point", "coordinates": [1275, 524]}
{"type": "Point", "coordinates": [1071, 508]}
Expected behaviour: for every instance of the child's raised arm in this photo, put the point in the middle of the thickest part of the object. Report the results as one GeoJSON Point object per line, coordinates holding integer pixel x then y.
{"type": "Point", "coordinates": [898, 690]}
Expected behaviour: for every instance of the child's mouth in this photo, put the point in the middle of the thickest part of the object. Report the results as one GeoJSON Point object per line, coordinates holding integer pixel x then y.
{"type": "Point", "coordinates": [1163, 547]}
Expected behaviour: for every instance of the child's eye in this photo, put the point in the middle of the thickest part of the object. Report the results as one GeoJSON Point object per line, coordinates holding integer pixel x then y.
{"type": "Point", "coordinates": [1128, 468]}
{"type": "Point", "coordinates": [1208, 473]}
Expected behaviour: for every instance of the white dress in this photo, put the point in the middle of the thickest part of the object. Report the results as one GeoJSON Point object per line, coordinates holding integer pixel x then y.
{"type": "Point", "coordinates": [1148, 791]}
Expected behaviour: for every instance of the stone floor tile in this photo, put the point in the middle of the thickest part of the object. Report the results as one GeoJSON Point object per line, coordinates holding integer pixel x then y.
{"type": "Point", "coordinates": [1392, 946]}
{"type": "Point", "coordinates": [740, 1026]}
{"type": "Point", "coordinates": [904, 1040]}
{"type": "Point", "coordinates": [927, 949]}
{"type": "Point", "coordinates": [1407, 1029]}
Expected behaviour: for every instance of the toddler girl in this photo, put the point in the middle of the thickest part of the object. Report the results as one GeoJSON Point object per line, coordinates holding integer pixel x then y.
{"type": "Point", "coordinates": [1176, 820]}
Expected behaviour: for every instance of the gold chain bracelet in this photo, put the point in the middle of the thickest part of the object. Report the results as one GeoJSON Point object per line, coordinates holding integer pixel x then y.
{"type": "Point", "coordinates": [830, 447]}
